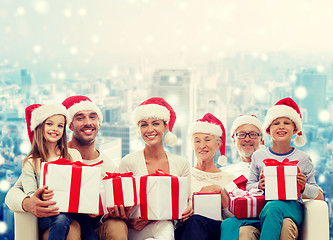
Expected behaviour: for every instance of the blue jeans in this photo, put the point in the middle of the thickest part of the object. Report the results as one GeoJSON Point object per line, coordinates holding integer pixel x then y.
{"type": "Point", "coordinates": [58, 225]}
{"type": "Point", "coordinates": [270, 220]}
{"type": "Point", "coordinates": [200, 228]}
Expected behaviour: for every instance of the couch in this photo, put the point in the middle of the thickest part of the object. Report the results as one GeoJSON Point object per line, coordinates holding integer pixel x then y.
{"type": "Point", "coordinates": [315, 225]}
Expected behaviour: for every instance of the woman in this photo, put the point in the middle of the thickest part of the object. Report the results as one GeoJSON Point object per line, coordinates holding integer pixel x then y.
{"type": "Point", "coordinates": [154, 117]}
{"type": "Point", "coordinates": [208, 135]}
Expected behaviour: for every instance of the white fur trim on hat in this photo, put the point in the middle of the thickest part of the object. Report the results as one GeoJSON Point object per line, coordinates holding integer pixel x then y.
{"type": "Point", "coordinates": [40, 114]}
{"type": "Point", "coordinates": [246, 119]}
{"type": "Point", "coordinates": [206, 127]}
{"type": "Point", "coordinates": [151, 111]}
{"type": "Point", "coordinates": [278, 111]}
{"type": "Point", "coordinates": [84, 106]}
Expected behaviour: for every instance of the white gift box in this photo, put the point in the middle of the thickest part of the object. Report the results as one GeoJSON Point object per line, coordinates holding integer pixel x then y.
{"type": "Point", "coordinates": [75, 188]}
{"type": "Point", "coordinates": [207, 205]}
{"type": "Point", "coordinates": [120, 191]}
{"type": "Point", "coordinates": [281, 183]}
{"type": "Point", "coordinates": [159, 196]}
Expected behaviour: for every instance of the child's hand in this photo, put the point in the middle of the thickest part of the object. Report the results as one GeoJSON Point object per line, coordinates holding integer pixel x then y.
{"type": "Point", "coordinates": [47, 194]}
{"type": "Point", "coordinates": [301, 180]}
{"type": "Point", "coordinates": [261, 184]}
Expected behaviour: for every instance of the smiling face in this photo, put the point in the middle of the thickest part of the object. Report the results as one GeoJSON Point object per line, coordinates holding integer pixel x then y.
{"type": "Point", "coordinates": [205, 145]}
{"type": "Point", "coordinates": [282, 129]}
{"type": "Point", "coordinates": [85, 126]}
{"type": "Point", "coordinates": [54, 128]}
{"type": "Point", "coordinates": [152, 130]}
{"type": "Point", "coordinates": [247, 146]}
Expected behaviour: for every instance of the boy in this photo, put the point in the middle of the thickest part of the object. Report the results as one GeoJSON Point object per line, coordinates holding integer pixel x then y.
{"type": "Point", "coordinates": [283, 121]}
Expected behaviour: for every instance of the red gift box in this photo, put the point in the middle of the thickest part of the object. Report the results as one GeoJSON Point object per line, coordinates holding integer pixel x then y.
{"type": "Point", "coordinates": [281, 180]}
{"type": "Point", "coordinates": [246, 204]}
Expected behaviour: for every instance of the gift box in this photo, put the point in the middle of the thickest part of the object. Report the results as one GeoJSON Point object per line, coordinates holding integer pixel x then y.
{"type": "Point", "coordinates": [75, 185]}
{"type": "Point", "coordinates": [161, 197]}
{"type": "Point", "coordinates": [237, 183]}
{"type": "Point", "coordinates": [246, 204]}
{"type": "Point", "coordinates": [281, 180]}
{"type": "Point", "coordinates": [120, 189]}
{"type": "Point", "coordinates": [207, 205]}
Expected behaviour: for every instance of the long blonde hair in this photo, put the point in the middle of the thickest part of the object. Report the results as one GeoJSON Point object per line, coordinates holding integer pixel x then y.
{"type": "Point", "coordinates": [39, 149]}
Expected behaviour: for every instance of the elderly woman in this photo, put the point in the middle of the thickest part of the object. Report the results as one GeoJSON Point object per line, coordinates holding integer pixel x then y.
{"type": "Point", "coordinates": [208, 136]}
{"type": "Point", "coordinates": [154, 117]}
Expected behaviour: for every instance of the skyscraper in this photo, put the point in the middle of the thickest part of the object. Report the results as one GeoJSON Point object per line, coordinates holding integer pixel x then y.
{"type": "Point", "coordinates": [314, 98]}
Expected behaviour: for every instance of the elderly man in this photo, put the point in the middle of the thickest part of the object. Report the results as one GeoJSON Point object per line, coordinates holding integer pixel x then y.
{"type": "Point", "coordinates": [247, 136]}
{"type": "Point", "coordinates": [85, 119]}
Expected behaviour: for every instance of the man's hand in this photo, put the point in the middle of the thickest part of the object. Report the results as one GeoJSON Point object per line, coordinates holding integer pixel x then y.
{"type": "Point", "coordinates": [261, 184]}
{"type": "Point", "coordinates": [119, 212]}
{"type": "Point", "coordinates": [38, 207]}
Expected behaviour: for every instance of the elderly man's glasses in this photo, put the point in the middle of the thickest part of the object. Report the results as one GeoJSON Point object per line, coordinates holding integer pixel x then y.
{"type": "Point", "coordinates": [252, 135]}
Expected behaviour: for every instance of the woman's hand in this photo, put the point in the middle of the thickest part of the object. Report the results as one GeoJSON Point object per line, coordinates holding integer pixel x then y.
{"type": "Point", "coordinates": [301, 180]}
{"type": "Point", "coordinates": [211, 188]}
{"type": "Point", "coordinates": [47, 194]}
{"type": "Point", "coordinates": [188, 213]}
{"type": "Point", "coordinates": [261, 184]}
{"type": "Point", "coordinates": [139, 224]}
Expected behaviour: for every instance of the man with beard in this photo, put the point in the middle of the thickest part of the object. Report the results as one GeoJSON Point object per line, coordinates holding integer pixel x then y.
{"type": "Point", "coordinates": [247, 136]}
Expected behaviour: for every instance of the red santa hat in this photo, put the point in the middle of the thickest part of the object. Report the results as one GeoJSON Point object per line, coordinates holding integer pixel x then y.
{"type": "Point", "coordinates": [75, 104]}
{"type": "Point", "coordinates": [157, 107]}
{"type": "Point", "coordinates": [209, 124]}
{"type": "Point", "coordinates": [36, 114]}
{"type": "Point", "coordinates": [286, 107]}
{"type": "Point", "coordinates": [247, 119]}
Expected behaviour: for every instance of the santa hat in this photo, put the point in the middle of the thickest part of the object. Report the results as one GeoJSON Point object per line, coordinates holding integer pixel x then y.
{"type": "Point", "coordinates": [36, 114]}
{"type": "Point", "coordinates": [157, 107]}
{"type": "Point", "coordinates": [209, 124]}
{"type": "Point", "coordinates": [247, 119]}
{"type": "Point", "coordinates": [286, 108]}
{"type": "Point", "coordinates": [75, 104]}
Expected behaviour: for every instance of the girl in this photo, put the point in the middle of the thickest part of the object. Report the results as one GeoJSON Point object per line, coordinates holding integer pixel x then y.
{"type": "Point", "coordinates": [47, 133]}
{"type": "Point", "coordinates": [154, 117]}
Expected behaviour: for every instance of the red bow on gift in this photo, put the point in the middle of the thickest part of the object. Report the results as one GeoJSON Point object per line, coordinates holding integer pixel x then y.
{"type": "Point", "coordinates": [75, 187]}
{"type": "Point", "coordinates": [174, 194]}
{"type": "Point", "coordinates": [118, 194]}
{"type": "Point", "coordinates": [114, 175]}
{"type": "Point", "coordinates": [285, 162]}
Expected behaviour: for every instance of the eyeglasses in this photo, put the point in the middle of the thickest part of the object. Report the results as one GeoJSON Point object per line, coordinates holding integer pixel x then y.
{"type": "Point", "coordinates": [252, 135]}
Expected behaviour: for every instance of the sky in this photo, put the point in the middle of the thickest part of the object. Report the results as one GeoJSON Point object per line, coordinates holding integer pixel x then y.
{"type": "Point", "coordinates": [91, 37]}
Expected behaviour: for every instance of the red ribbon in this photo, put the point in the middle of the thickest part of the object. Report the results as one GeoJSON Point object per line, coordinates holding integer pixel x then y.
{"type": "Point", "coordinates": [281, 183]}
{"type": "Point", "coordinates": [174, 194]}
{"type": "Point", "coordinates": [118, 194]}
{"type": "Point", "coordinates": [241, 182]}
{"type": "Point", "coordinates": [75, 188]}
